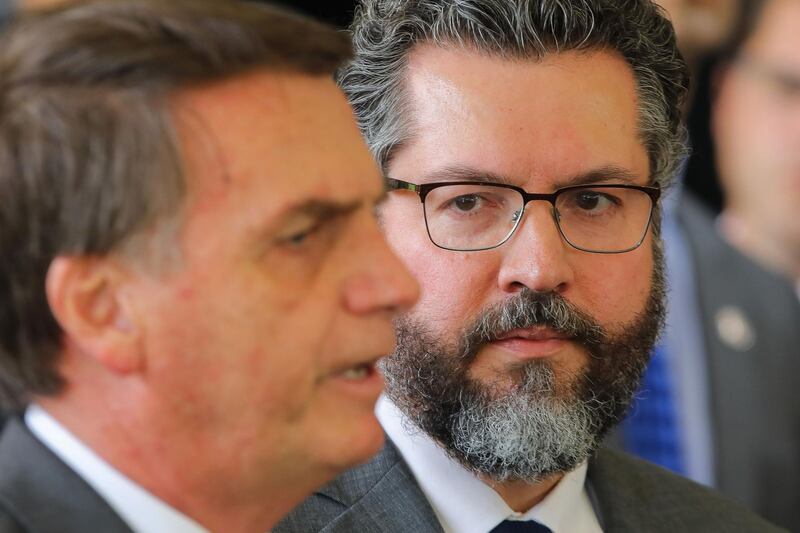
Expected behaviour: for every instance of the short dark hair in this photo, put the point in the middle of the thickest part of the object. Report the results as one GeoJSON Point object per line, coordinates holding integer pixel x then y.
{"type": "Point", "coordinates": [385, 32]}
{"type": "Point", "coordinates": [88, 153]}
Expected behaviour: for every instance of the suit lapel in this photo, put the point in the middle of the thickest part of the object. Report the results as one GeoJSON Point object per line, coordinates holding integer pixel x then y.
{"type": "Point", "coordinates": [734, 393]}
{"type": "Point", "coordinates": [619, 499]}
{"type": "Point", "coordinates": [45, 495]}
{"type": "Point", "coordinates": [381, 496]}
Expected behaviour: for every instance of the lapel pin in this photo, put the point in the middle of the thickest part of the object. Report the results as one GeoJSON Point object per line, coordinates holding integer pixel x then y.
{"type": "Point", "coordinates": [734, 329]}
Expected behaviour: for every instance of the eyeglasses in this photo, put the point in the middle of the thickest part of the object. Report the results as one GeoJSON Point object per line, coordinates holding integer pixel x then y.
{"type": "Point", "coordinates": [468, 216]}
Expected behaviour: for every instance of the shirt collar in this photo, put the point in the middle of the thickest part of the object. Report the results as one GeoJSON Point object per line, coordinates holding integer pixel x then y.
{"type": "Point", "coordinates": [143, 512]}
{"type": "Point", "coordinates": [465, 504]}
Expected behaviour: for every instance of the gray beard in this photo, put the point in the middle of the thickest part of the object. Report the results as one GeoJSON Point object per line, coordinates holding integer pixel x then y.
{"type": "Point", "coordinates": [525, 434]}
{"type": "Point", "coordinates": [546, 422]}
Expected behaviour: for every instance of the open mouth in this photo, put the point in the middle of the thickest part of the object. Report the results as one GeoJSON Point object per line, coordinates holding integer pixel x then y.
{"type": "Point", "coordinates": [362, 381]}
{"type": "Point", "coordinates": [358, 372]}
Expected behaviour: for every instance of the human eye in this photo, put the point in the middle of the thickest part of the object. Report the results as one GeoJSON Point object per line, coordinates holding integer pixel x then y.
{"type": "Point", "coordinates": [305, 231]}
{"type": "Point", "coordinates": [784, 86]}
{"type": "Point", "coordinates": [301, 235]}
{"type": "Point", "coordinates": [466, 203]}
{"type": "Point", "coordinates": [590, 202]}
{"type": "Point", "coordinates": [461, 201]}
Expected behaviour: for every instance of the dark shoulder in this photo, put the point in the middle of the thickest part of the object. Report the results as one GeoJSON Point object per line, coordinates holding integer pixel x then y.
{"type": "Point", "coordinates": [329, 502]}
{"type": "Point", "coordinates": [8, 524]}
{"type": "Point", "coordinates": [634, 495]}
{"type": "Point", "coordinates": [381, 496]}
{"type": "Point", "coordinates": [10, 521]}
{"type": "Point", "coordinates": [39, 492]}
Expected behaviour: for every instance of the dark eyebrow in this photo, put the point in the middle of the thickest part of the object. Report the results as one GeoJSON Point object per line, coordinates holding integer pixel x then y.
{"type": "Point", "coordinates": [606, 174]}
{"type": "Point", "coordinates": [464, 174]}
{"type": "Point", "coordinates": [322, 209]}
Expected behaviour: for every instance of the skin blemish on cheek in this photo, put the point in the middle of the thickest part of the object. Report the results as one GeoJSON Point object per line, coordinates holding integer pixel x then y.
{"type": "Point", "coordinates": [185, 293]}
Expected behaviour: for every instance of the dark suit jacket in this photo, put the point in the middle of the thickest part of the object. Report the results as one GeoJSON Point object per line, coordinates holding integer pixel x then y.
{"type": "Point", "coordinates": [40, 494]}
{"type": "Point", "coordinates": [631, 496]}
{"type": "Point", "coordinates": [754, 393]}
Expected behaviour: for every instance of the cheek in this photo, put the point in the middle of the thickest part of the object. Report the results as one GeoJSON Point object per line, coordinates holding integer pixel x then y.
{"type": "Point", "coordinates": [231, 342]}
{"type": "Point", "coordinates": [763, 135]}
{"type": "Point", "coordinates": [268, 374]}
{"type": "Point", "coordinates": [616, 287]}
{"type": "Point", "coordinates": [454, 286]}
{"type": "Point", "coordinates": [751, 125]}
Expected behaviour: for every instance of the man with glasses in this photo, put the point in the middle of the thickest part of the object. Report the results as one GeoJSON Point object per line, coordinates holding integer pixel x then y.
{"type": "Point", "coordinates": [525, 145]}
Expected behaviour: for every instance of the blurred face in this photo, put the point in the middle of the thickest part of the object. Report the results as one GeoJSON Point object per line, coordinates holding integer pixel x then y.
{"type": "Point", "coordinates": [756, 126]}
{"type": "Point", "coordinates": [261, 341]}
{"type": "Point", "coordinates": [701, 25]}
{"type": "Point", "coordinates": [527, 327]}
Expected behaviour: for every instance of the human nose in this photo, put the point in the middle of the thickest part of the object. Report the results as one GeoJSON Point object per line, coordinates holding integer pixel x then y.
{"type": "Point", "coordinates": [536, 256]}
{"type": "Point", "coordinates": [382, 282]}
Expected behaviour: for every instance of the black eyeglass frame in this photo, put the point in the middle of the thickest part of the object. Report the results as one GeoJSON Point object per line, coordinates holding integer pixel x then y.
{"type": "Point", "coordinates": [422, 190]}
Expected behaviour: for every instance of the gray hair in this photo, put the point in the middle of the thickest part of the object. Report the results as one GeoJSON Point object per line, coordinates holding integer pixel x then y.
{"type": "Point", "coordinates": [385, 31]}
{"type": "Point", "coordinates": [89, 159]}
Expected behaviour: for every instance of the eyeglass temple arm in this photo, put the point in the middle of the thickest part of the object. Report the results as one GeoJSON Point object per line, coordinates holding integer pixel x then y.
{"type": "Point", "coordinates": [392, 184]}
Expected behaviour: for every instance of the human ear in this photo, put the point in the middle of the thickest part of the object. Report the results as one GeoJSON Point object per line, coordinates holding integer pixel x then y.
{"type": "Point", "coordinates": [87, 298]}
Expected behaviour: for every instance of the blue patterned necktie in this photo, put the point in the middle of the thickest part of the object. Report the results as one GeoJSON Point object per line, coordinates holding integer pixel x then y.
{"type": "Point", "coordinates": [651, 430]}
{"type": "Point", "coordinates": [519, 526]}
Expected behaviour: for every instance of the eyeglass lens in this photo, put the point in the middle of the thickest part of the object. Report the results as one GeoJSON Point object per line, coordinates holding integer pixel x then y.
{"type": "Point", "coordinates": [479, 216]}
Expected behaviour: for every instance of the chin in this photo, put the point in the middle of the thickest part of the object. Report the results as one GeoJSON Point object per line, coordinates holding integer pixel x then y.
{"type": "Point", "coordinates": [353, 446]}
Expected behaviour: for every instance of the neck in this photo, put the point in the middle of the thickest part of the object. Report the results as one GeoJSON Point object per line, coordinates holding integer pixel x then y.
{"type": "Point", "coordinates": [521, 496]}
{"type": "Point", "coordinates": [759, 244]}
{"type": "Point", "coordinates": [173, 470]}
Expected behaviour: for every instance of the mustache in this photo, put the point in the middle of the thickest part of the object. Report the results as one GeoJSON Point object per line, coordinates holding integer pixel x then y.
{"type": "Point", "coordinates": [529, 309]}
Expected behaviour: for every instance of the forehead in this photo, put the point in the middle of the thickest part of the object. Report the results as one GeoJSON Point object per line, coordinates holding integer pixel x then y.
{"type": "Point", "coordinates": [270, 140]}
{"type": "Point", "coordinates": [531, 120]}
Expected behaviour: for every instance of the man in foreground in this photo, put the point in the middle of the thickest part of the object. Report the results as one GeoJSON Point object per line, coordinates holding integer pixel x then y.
{"type": "Point", "coordinates": [527, 144]}
{"type": "Point", "coordinates": [194, 289]}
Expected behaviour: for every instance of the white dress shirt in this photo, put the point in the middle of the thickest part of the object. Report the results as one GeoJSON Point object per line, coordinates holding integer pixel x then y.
{"type": "Point", "coordinates": [140, 510]}
{"type": "Point", "coordinates": [465, 504]}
